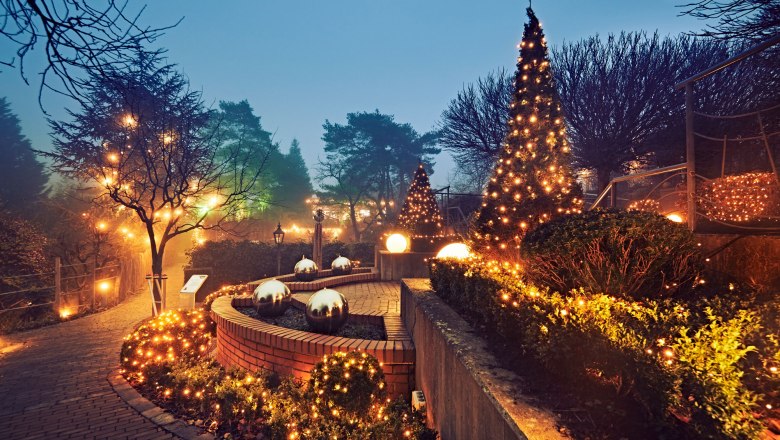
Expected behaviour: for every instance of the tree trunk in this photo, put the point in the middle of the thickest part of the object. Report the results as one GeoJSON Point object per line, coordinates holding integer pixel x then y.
{"type": "Point", "coordinates": [353, 219]}
{"type": "Point", "coordinates": [602, 178]}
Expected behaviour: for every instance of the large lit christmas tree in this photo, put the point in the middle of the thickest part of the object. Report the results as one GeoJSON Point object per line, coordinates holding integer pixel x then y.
{"type": "Point", "coordinates": [420, 214]}
{"type": "Point", "coordinates": [532, 181]}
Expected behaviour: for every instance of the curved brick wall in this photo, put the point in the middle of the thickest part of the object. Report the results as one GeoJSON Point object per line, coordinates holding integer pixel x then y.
{"type": "Point", "coordinates": [325, 279]}
{"type": "Point", "coordinates": [253, 344]}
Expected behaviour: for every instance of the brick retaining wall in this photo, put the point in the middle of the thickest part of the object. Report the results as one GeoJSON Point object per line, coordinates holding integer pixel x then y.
{"type": "Point", "coordinates": [253, 344]}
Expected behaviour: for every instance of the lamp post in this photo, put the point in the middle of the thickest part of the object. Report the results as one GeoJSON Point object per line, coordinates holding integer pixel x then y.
{"type": "Point", "coordinates": [278, 239]}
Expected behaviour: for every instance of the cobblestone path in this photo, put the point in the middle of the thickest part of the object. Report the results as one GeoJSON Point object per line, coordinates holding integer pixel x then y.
{"type": "Point", "coordinates": [53, 380]}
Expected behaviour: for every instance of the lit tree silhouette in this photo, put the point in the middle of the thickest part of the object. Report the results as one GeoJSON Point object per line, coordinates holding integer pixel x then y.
{"type": "Point", "coordinates": [420, 214]}
{"type": "Point", "coordinates": [532, 181]}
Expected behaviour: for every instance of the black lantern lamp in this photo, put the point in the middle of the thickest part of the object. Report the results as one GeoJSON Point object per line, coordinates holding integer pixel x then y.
{"type": "Point", "coordinates": [279, 239]}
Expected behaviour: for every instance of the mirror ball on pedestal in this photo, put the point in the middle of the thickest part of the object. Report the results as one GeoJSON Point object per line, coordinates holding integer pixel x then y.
{"type": "Point", "coordinates": [272, 298]}
{"type": "Point", "coordinates": [306, 270]}
{"type": "Point", "coordinates": [326, 311]}
{"type": "Point", "coordinates": [341, 266]}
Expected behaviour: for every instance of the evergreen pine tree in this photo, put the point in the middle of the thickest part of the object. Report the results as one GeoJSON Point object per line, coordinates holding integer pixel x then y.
{"type": "Point", "coordinates": [420, 213]}
{"type": "Point", "coordinates": [532, 181]}
{"type": "Point", "coordinates": [294, 181]}
{"type": "Point", "coordinates": [22, 178]}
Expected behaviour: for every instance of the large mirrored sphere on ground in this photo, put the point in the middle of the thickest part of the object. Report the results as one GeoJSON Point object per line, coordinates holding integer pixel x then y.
{"type": "Point", "coordinates": [327, 311]}
{"type": "Point", "coordinates": [341, 266]}
{"type": "Point", "coordinates": [272, 298]}
{"type": "Point", "coordinates": [306, 270]}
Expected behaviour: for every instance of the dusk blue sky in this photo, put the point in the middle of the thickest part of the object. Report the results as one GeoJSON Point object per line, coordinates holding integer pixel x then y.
{"type": "Point", "coordinates": [302, 62]}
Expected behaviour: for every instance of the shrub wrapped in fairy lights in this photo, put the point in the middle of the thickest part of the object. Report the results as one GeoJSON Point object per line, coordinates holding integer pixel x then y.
{"type": "Point", "coordinates": [741, 198]}
{"type": "Point", "coordinates": [348, 385]}
{"type": "Point", "coordinates": [161, 341]}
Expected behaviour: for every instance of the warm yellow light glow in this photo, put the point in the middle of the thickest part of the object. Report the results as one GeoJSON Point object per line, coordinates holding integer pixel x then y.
{"type": "Point", "coordinates": [458, 251]}
{"type": "Point", "coordinates": [101, 226]}
{"type": "Point", "coordinates": [167, 139]}
{"type": "Point", "coordinates": [675, 218]}
{"type": "Point", "coordinates": [65, 313]}
{"type": "Point", "coordinates": [396, 243]}
{"type": "Point", "coordinates": [129, 120]}
{"type": "Point", "coordinates": [104, 286]}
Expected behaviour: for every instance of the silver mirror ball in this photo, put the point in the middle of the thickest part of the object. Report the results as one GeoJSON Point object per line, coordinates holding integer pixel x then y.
{"type": "Point", "coordinates": [272, 298]}
{"type": "Point", "coordinates": [306, 270]}
{"type": "Point", "coordinates": [341, 266]}
{"type": "Point", "coordinates": [327, 311]}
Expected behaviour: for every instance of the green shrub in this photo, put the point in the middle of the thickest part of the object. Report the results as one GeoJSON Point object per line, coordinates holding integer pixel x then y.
{"type": "Point", "coordinates": [234, 262]}
{"type": "Point", "coordinates": [674, 362]}
{"type": "Point", "coordinates": [630, 254]}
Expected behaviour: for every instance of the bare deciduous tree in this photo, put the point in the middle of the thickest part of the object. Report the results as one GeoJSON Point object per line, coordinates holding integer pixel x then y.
{"type": "Point", "coordinates": [620, 101]}
{"type": "Point", "coordinates": [737, 19]}
{"type": "Point", "coordinates": [144, 138]}
{"type": "Point", "coordinates": [79, 37]}
{"type": "Point", "coordinates": [474, 125]}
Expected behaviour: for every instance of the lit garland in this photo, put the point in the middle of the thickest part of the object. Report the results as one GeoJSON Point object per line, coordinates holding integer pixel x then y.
{"type": "Point", "coordinates": [646, 205]}
{"type": "Point", "coordinates": [420, 214]}
{"type": "Point", "coordinates": [741, 198]}
{"type": "Point", "coordinates": [533, 181]}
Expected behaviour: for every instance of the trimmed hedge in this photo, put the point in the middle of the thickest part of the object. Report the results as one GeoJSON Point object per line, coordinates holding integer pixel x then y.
{"type": "Point", "coordinates": [235, 262]}
{"type": "Point", "coordinates": [703, 371]}
{"type": "Point", "coordinates": [623, 253]}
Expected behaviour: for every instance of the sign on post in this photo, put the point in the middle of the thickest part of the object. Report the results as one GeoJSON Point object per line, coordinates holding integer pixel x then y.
{"type": "Point", "coordinates": [191, 287]}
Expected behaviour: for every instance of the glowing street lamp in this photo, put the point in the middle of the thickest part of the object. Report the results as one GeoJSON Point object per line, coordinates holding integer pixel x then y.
{"type": "Point", "coordinates": [279, 239]}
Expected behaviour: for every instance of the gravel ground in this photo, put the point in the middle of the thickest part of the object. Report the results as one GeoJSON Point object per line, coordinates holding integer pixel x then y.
{"type": "Point", "coordinates": [295, 319]}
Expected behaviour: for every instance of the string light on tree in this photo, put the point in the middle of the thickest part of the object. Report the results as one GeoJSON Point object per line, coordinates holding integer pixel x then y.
{"type": "Point", "coordinates": [532, 182]}
{"type": "Point", "coordinates": [420, 214]}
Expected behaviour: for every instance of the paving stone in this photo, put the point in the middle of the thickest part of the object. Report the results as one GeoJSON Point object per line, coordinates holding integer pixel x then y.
{"type": "Point", "coordinates": [54, 383]}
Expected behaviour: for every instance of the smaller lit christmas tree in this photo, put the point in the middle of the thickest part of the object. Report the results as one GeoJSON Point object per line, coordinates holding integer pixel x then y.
{"type": "Point", "coordinates": [420, 215]}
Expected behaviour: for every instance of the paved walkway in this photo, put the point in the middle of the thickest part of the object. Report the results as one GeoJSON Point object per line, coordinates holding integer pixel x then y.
{"type": "Point", "coordinates": [364, 298]}
{"type": "Point", "coordinates": [53, 379]}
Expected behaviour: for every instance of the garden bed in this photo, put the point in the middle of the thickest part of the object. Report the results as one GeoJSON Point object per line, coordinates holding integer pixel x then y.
{"type": "Point", "coordinates": [295, 319]}
{"type": "Point", "coordinates": [699, 367]}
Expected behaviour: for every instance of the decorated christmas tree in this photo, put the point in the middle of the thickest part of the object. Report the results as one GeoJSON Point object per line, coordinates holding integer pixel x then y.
{"type": "Point", "coordinates": [532, 182]}
{"type": "Point", "coordinates": [420, 215]}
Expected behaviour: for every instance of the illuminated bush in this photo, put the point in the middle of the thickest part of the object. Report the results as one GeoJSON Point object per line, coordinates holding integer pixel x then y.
{"type": "Point", "coordinates": [740, 198]}
{"type": "Point", "coordinates": [336, 375]}
{"type": "Point", "coordinates": [166, 358]}
{"type": "Point", "coordinates": [629, 254]}
{"type": "Point", "coordinates": [160, 342]}
{"type": "Point", "coordinates": [698, 373]}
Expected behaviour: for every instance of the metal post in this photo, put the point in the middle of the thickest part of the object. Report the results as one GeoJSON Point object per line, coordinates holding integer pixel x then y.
{"type": "Point", "coordinates": [768, 149]}
{"type": "Point", "coordinates": [613, 195]}
{"type": "Point", "coordinates": [94, 285]}
{"type": "Point", "coordinates": [278, 259]}
{"type": "Point", "coordinates": [690, 156]}
{"type": "Point", "coordinates": [57, 284]}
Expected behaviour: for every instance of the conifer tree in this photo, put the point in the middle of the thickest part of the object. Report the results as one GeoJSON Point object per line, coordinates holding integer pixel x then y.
{"type": "Point", "coordinates": [532, 181]}
{"type": "Point", "coordinates": [420, 213]}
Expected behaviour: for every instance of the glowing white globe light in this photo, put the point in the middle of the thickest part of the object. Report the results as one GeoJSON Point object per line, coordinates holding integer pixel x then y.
{"type": "Point", "coordinates": [458, 251]}
{"type": "Point", "coordinates": [396, 243]}
{"type": "Point", "coordinates": [675, 218]}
